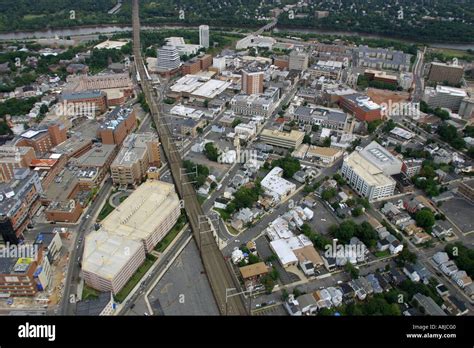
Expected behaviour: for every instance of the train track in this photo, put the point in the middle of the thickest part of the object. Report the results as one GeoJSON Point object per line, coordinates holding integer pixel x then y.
{"type": "Point", "coordinates": [216, 268]}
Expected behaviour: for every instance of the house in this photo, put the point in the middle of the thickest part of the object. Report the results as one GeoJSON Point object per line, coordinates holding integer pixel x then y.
{"type": "Point", "coordinates": [330, 263]}
{"type": "Point", "coordinates": [461, 279]}
{"type": "Point", "coordinates": [396, 276]}
{"type": "Point", "coordinates": [251, 274]}
{"type": "Point", "coordinates": [395, 246]}
{"type": "Point", "coordinates": [336, 296]}
{"type": "Point", "coordinates": [430, 307]}
{"type": "Point", "coordinates": [358, 289]}
{"type": "Point", "coordinates": [449, 268]}
{"type": "Point", "coordinates": [384, 281]}
{"type": "Point", "coordinates": [292, 306]}
{"type": "Point", "coordinates": [411, 229]}
{"type": "Point", "coordinates": [374, 282]}
{"type": "Point", "coordinates": [442, 290]}
{"type": "Point", "coordinates": [442, 229]}
{"type": "Point", "coordinates": [347, 292]}
{"type": "Point", "coordinates": [460, 307]}
{"type": "Point", "coordinates": [411, 273]}
{"type": "Point", "coordinates": [440, 257]}
{"type": "Point", "coordinates": [307, 304]}
{"type": "Point", "coordinates": [469, 290]}
{"type": "Point", "coordinates": [423, 272]}
{"type": "Point", "coordinates": [421, 237]}
{"type": "Point", "coordinates": [300, 176]}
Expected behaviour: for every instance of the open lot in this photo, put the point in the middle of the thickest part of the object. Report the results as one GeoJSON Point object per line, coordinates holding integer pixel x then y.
{"type": "Point", "coordinates": [184, 289]}
{"type": "Point", "coordinates": [459, 211]}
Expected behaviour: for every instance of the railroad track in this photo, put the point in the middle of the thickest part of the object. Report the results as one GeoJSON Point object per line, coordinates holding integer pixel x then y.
{"type": "Point", "coordinates": [216, 268]}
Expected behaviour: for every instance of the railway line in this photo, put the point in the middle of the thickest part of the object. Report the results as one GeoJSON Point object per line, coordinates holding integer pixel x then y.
{"type": "Point", "coordinates": [217, 269]}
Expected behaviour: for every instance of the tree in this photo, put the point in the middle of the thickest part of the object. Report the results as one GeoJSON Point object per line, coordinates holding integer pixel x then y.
{"type": "Point", "coordinates": [328, 194]}
{"type": "Point", "coordinates": [327, 142]}
{"type": "Point", "coordinates": [424, 218]}
{"type": "Point", "coordinates": [353, 272]}
{"type": "Point", "coordinates": [211, 152]}
{"type": "Point", "coordinates": [290, 166]}
{"type": "Point", "coordinates": [357, 211]}
{"type": "Point", "coordinates": [406, 256]}
{"type": "Point", "coordinates": [307, 139]}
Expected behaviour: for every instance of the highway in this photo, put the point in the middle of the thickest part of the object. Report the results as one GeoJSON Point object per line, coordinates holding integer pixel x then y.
{"type": "Point", "coordinates": [418, 85]}
{"type": "Point", "coordinates": [217, 270]}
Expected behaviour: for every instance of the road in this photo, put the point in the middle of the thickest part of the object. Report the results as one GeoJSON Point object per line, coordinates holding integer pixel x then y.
{"type": "Point", "coordinates": [67, 304]}
{"type": "Point", "coordinates": [217, 269]}
{"type": "Point", "coordinates": [418, 81]}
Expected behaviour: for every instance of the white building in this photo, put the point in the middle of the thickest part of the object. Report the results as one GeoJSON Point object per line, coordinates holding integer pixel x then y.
{"type": "Point", "coordinates": [168, 58]}
{"type": "Point", "coordinates": [364, 177]}
{"type": "Point", "coordinates": [204, 35]}
{"type": "Point", "coordinates": [114, 252]}
{"type": "Point", "coordinates": [277, 187]}
{"type": "Point", "coordinates": [444, 97]}
{"type": "Point", "coordinates": [382, 158]}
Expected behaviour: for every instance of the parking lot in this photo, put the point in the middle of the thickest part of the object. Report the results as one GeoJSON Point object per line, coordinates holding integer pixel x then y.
{"type": "Point", "coordinates": [459, 211]}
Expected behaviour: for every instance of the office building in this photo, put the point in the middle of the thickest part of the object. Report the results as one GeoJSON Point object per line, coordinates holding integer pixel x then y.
{"type": "Point", "coordinates": [444, 97]}
{"type": "Point", "coordinates": [252, 81]}
{"type": "Point", "coordinates": [138, 153]}
{"type": "Point", "coordinates": [137, 225]}
{"type": "Point", "coordinates": [365, 178]}
{"type": "Point", "coordinates": [361, 107]}
{"type": "Point", "coordinates": [168, 58]}
{"type": "Point", "coordinates": [12, 157]}
{"type": "Point", "coordinates": [441, 72]}
{"type": "Point", "coordinates": [256, 105]}
{"type": "Point", "coordinates": [291, 140]}
{"type": "Point", "coordinates": [411, 167]}
{"type": "Point", "coordinates": [204, 35]}
{"type": "Point", "coordinates": [381, 158]}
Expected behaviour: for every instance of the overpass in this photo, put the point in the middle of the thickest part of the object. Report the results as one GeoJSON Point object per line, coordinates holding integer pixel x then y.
{"type": "Point", "coordinates": [218, 271]}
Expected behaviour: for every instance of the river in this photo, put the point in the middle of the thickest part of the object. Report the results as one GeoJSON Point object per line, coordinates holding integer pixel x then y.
{"type": "Point", "coordinates": [109, 29]}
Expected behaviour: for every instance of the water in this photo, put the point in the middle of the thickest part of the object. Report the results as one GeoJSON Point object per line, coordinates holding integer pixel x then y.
{"type": "Point", "coordinates": [108, 29]}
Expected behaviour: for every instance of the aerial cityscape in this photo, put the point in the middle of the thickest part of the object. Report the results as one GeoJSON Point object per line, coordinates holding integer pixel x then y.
{"type": "Point", "coordinates": [237, 158]}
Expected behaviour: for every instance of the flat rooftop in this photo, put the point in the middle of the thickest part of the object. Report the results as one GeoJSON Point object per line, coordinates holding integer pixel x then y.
{"type": "Point", "coordinates": [367, 171]}
{"type": "Point", "coordinates": [97, 156]}
{"type": "Point", "coordinates": [134, 147]}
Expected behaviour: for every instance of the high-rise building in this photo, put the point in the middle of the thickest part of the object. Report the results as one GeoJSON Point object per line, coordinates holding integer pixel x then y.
{"type": "Point", "coordinates": [204, 35]}
{"type": "Point", "coordinates": [168, 58]}
{"type": "Point", "coordinates": [252, 81]}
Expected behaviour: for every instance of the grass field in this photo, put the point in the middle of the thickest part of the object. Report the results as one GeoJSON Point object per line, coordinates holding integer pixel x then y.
{"type": "Point", "coordinates": [122, 295]}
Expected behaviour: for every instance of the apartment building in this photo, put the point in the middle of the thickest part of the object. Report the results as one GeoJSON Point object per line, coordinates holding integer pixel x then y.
{"type": "Point", "coordinates": [168, 58]}
{"type": "Point", "coordinates": [138, 153]}
{"type": "Point", "coordinates": [87, 103]}
{"type": "Point", "coordinates": [441, 72]}
{"type": "Point", "coordinates": [381, 58]}
{"type": "Point", "coordinates": [298, 60]}
{"type": "Point", "coordinates": [252, 81]}
{"type": "Point", "coordinates": [116, 125]}
{"type": "Point", "coordinates": [44, 138]}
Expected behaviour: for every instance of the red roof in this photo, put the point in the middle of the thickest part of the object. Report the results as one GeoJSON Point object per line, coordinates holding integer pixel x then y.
{"type": "Point", "coordinates": [43, 162]}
